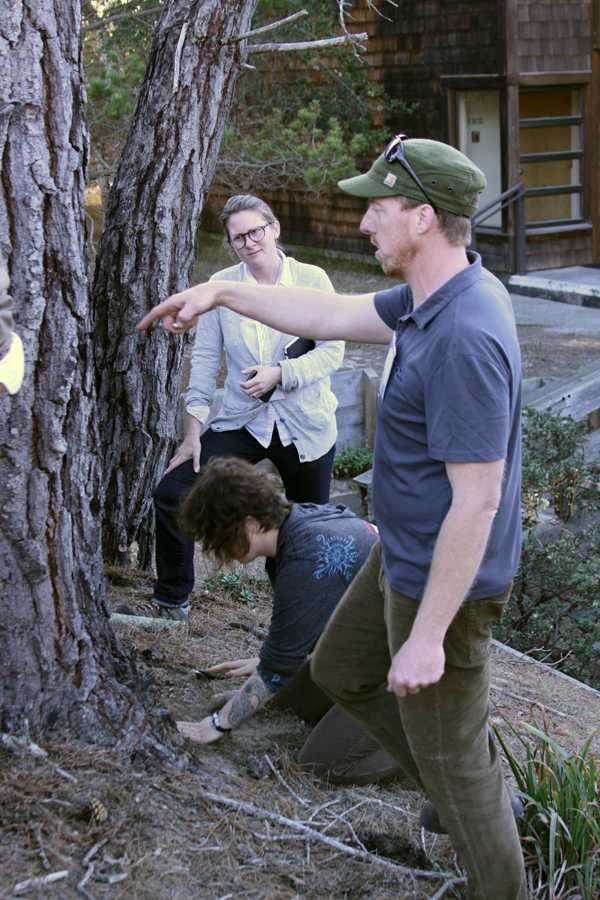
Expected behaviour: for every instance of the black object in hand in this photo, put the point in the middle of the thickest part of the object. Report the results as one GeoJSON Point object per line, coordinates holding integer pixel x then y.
{"type": "Point", "coordinates": [297, 347]}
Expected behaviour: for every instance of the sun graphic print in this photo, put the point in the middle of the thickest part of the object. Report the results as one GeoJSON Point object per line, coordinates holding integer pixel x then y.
{"type": "Point", "coordinates": [337, 556]}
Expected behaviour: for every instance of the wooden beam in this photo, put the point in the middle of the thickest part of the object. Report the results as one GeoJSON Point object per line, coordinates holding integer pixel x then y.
{"type": "Point", "coordinates": [539, 79]}
{"type": "Point", "coordinates": [578, 396]}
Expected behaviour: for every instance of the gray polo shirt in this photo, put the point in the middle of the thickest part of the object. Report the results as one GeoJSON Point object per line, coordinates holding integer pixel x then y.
{"type": "Point", "coordinates": [453, 395]}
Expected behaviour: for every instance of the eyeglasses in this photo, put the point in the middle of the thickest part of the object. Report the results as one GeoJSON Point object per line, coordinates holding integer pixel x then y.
{"type": "Point", "coordinates": [395, 152]}
{"type": "Point", "coordinates": [255, 234]}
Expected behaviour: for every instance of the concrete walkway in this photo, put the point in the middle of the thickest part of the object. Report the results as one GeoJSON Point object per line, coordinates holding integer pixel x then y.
{"type": "Point", "coordinates": [555, 316]}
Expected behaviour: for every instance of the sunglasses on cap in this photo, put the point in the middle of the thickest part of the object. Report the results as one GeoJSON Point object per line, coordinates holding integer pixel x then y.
{"type": "Point", "coordinates": [395, 152]}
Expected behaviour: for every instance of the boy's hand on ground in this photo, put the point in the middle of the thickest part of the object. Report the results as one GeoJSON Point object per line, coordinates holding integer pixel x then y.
{"type": "Point", "coordinates": [199, 732]}
{"type": "Point", "coordinates": [235, 668]}
{"type": "Point", "coordinates": [415, 666]}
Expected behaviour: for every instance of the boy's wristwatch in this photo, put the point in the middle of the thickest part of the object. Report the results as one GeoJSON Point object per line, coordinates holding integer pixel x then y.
{"type": "Point", "coordinates": [216, 724]}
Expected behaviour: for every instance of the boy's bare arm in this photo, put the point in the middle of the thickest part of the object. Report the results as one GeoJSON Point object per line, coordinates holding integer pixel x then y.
{"type": "Point", "coordinates": [251, 697]}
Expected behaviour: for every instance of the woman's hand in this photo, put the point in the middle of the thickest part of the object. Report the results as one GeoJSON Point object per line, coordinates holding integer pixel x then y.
{"type": "Point", "coordinates": [189, 447]}
{"type": "Point", "coordinates": [200, 732]}
{"type": "Point", "coordinates": [262, 380]}
{"type": "Point", "coordinates": [235, 668]}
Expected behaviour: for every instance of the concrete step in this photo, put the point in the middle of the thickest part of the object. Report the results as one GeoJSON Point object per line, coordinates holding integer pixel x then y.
{"type": "Point", "coordinates": [576, 293]}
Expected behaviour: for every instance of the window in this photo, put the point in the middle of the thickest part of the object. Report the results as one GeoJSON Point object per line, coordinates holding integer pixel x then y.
{"type": "Point", "coordinates": [551, 154]}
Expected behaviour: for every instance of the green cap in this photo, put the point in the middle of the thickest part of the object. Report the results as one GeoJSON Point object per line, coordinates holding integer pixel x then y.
{"type": "Point", "coordinates": [451, 180]}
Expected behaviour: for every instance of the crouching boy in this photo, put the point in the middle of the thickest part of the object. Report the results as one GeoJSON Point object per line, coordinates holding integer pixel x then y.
{"type": "Point", "coordinates": [313, 552]}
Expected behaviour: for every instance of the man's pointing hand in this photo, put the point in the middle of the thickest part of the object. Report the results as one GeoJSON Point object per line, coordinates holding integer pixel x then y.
{"type": "Point", "coordinates": [180, 311]}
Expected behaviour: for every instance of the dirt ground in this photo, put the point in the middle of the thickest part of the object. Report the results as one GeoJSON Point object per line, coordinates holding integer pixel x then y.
{"type": "Point", "coordinates": [124, 832]}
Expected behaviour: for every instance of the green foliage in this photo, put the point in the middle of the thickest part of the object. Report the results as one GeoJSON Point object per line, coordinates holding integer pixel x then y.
{"type": "Point", "coordinates": [561, 825]}
{"type": "Point", "coordinates": [351, 462]}
{"type": "Point", "coordinates": [115, 58]}
{"type": "Point", "coordinates": [553, 463]}
{"type": "Point", "coordinates": [555, 604]}
{"type": "Point", "coordinates": [279, 134]}
{"type": "Point", "coordinates": [303, 151]}
{"type": "Point", "coordinates": [233, 583]}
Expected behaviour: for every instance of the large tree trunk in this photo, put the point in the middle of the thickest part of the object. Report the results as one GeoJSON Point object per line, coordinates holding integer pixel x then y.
{"type": "Point", "coordinates": [59, 658]}
{"type": "Point", "coordinates": [147, 249]}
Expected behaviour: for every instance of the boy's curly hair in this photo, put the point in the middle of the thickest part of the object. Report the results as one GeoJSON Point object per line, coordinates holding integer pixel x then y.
{"type": "Point", "coordinates": [227, 491]}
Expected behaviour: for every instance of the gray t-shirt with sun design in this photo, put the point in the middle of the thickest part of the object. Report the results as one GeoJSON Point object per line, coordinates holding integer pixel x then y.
{"type": "Point", "coordinates": [319, 551]}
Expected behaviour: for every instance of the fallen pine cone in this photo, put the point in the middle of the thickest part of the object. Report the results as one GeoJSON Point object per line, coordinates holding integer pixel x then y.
{"type": "Point", "coordinates": [92, 811]}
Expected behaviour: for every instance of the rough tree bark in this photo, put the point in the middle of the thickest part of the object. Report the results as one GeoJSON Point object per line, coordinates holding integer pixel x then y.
{"type": "Point", "coordinates": [147, 249]}
{"type": "Point", "coordinates": [59, 662]}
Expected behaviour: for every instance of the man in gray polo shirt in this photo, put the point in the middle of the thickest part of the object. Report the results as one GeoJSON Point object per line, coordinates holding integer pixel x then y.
{"type": "Point", "coordinates": [407, 650]}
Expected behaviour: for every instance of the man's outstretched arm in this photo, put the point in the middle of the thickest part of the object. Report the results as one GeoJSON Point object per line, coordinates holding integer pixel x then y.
{"type": "Point", "coordinates": [305, 312]}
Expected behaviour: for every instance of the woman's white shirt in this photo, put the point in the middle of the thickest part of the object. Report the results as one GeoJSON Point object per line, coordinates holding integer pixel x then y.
{"type": "Point", "coordinates": [303, 405]}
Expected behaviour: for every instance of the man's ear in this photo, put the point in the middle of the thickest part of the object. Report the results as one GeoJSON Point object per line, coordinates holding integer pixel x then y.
{"type": "Point", "coordinates": [252, 525]}
{"type": "Point", "coordinates": [426, 219]}
{"type": "Point", "coordinates": [276, 228]}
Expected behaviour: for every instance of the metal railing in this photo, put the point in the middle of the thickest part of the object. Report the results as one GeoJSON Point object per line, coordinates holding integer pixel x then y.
{"type": "Point", "coordinates": [514, 196]}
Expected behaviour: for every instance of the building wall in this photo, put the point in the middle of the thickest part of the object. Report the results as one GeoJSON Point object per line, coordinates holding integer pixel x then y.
{"type": "Point", "coordinates": [423, 41]}
{"type": "Point", "coordinates": [553, 36]}
{"type": "Point", "coordinates": [552, 251]}
{"type": "Point", "coordinates": [409, 52]}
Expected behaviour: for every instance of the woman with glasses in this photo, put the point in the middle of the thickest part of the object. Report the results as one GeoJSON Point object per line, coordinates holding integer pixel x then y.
{"type": "Point", "coordinates": [273, 407]}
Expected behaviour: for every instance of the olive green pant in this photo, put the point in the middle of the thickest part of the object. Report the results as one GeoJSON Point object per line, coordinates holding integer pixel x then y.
{"type": "Point", "coordinates": [339, 748]}
{"type": "Point", "coordinates": [440, 736]}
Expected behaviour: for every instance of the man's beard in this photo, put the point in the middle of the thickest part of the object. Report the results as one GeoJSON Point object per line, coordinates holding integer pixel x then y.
{"type": "Point", "coordinates": [400, 263]}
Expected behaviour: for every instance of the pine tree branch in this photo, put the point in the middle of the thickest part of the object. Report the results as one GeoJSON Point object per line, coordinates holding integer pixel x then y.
{"type": "Point", "coordinates": [273, 25]}
{"type": "Point", "coordinates": [310, 45]}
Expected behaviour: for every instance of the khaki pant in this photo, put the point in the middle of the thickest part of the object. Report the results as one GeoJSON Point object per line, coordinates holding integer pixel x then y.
{"type": "Point", "coordinates": [439, 736]}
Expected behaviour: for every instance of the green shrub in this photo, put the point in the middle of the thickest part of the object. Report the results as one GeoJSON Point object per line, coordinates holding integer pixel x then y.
{"type": "Point", "coordinates": [561, 824]}
{"type": "Point", "coordinates": [554, 609]}
{"type": "Point", "coordinates": [555, 602]}
{"type": "Point", "coordinates": [553, 463]}
{"type": "Point", "coordinates": [351, 462]}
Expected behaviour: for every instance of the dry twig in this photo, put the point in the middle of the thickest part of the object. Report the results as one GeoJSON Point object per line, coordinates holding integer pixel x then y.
{"type": "Point", "coordinates": [108, 20]}
{"type": "Point", "coordinates": [339, 846]}
{"type": "Point", "coordinates": [92, 852]}
{"type": "Point", "coordinates": [32, 884]}
{"type": "Point", "coordinates": [37, 833]}
{"type": "Point", "coordinates": [283, 782]}
{"type": "Point", "coordinates": [533, 701]}
{"type": "Point", "coordinates": [88, 874]}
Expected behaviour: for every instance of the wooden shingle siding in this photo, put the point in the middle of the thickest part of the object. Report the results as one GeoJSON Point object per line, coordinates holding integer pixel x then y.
{"type": "Point", "coordinates": [553, 37]}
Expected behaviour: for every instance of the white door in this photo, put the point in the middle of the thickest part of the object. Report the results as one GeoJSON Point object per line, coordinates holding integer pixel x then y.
{"type": "Point", "coordinates": [479, 139]}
